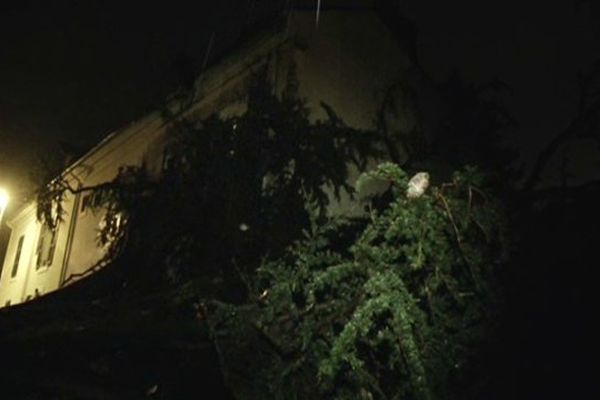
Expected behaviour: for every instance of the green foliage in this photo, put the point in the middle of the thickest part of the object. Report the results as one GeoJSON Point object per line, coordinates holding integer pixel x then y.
{"type": "Point", "coordinates": [238, 181]}
{"type": "Point", "coordinates": [389, 307]}
{"type": "Point", "coordinates": [117, 201]}
{"type": "Point", "coordinates": [50, 190]}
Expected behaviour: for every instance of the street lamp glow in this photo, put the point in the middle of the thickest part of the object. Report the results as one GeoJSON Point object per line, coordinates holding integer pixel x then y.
{"type": "Point", "coordinates": [3, 203]}
{"type": "Point", "coordinates": [3, 200]}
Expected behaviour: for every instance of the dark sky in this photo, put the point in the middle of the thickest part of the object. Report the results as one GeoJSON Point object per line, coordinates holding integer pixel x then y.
{"type": "Point", "coordinates": [74, 71]}
{"type": "Point", "coordinates": [535, 46]}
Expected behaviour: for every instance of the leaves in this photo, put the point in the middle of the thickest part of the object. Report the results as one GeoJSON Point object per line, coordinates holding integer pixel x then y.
{"type": "Point", "coordinates": [394, 314]}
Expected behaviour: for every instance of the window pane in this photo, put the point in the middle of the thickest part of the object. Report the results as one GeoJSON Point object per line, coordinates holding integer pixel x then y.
{"type": "Point", "coordinates": [15, 267]}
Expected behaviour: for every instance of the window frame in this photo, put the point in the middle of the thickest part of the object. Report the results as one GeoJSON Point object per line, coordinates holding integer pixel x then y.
{"type": "Point", "coordinates": [17, 259]}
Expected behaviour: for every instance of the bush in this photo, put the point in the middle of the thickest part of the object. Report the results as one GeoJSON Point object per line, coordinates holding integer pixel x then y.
{"type": "Point", "coordinates": [390, 306]}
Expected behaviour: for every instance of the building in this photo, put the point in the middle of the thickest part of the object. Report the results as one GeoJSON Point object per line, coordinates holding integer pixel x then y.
{"type": "Point", "coordinates": [346, 57]}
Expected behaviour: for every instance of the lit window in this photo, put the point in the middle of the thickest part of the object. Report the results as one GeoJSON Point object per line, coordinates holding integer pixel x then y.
{"type": "Point", "coordinates": [46, 246]}
{"type": "Point", "coordinates": [15, 267]}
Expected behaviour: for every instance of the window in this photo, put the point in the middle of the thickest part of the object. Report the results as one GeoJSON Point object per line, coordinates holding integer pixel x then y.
{"type": "Point", "coordinates": [15, 267]}
{"type": "Point", "coordinates": [46, 246]}
{"type": "Point", "coordinates": [89, 201]}
{"type": "Point", "coordinates": [86, 202]}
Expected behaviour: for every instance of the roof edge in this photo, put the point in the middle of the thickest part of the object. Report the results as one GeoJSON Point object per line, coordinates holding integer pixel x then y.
{"type": "Point", "coordinates": [329, 5]}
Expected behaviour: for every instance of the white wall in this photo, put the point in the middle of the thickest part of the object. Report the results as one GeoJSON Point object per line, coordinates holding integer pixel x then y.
{"type": "Point", "coordinates": [350, 61]}
{"type": "Point", "coordinates": [135, 144]}
{"type": "Point", "coordinates": [13, 288]}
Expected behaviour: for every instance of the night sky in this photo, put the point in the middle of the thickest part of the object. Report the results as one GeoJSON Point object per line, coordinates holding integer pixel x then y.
{"type": "Point", "coordinates": [536, 47]}
{"type": "Point", "coordinates": [75, 71]}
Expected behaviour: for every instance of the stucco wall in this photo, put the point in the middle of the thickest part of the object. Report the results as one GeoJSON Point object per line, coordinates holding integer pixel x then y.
{"type": "Point", "coordinates": [348, 61]}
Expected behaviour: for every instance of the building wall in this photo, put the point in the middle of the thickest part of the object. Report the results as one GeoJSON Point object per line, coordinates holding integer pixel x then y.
{"type": "Point", "coordinates": [137, 144]}
{"type": "Point", "coordinates": [13, 289]}
{"type": "Point", "coordinates": [348, 61]}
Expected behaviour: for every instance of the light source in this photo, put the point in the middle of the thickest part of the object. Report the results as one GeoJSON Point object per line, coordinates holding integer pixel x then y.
{"type": "Point", "coordinates": [3, 203]}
